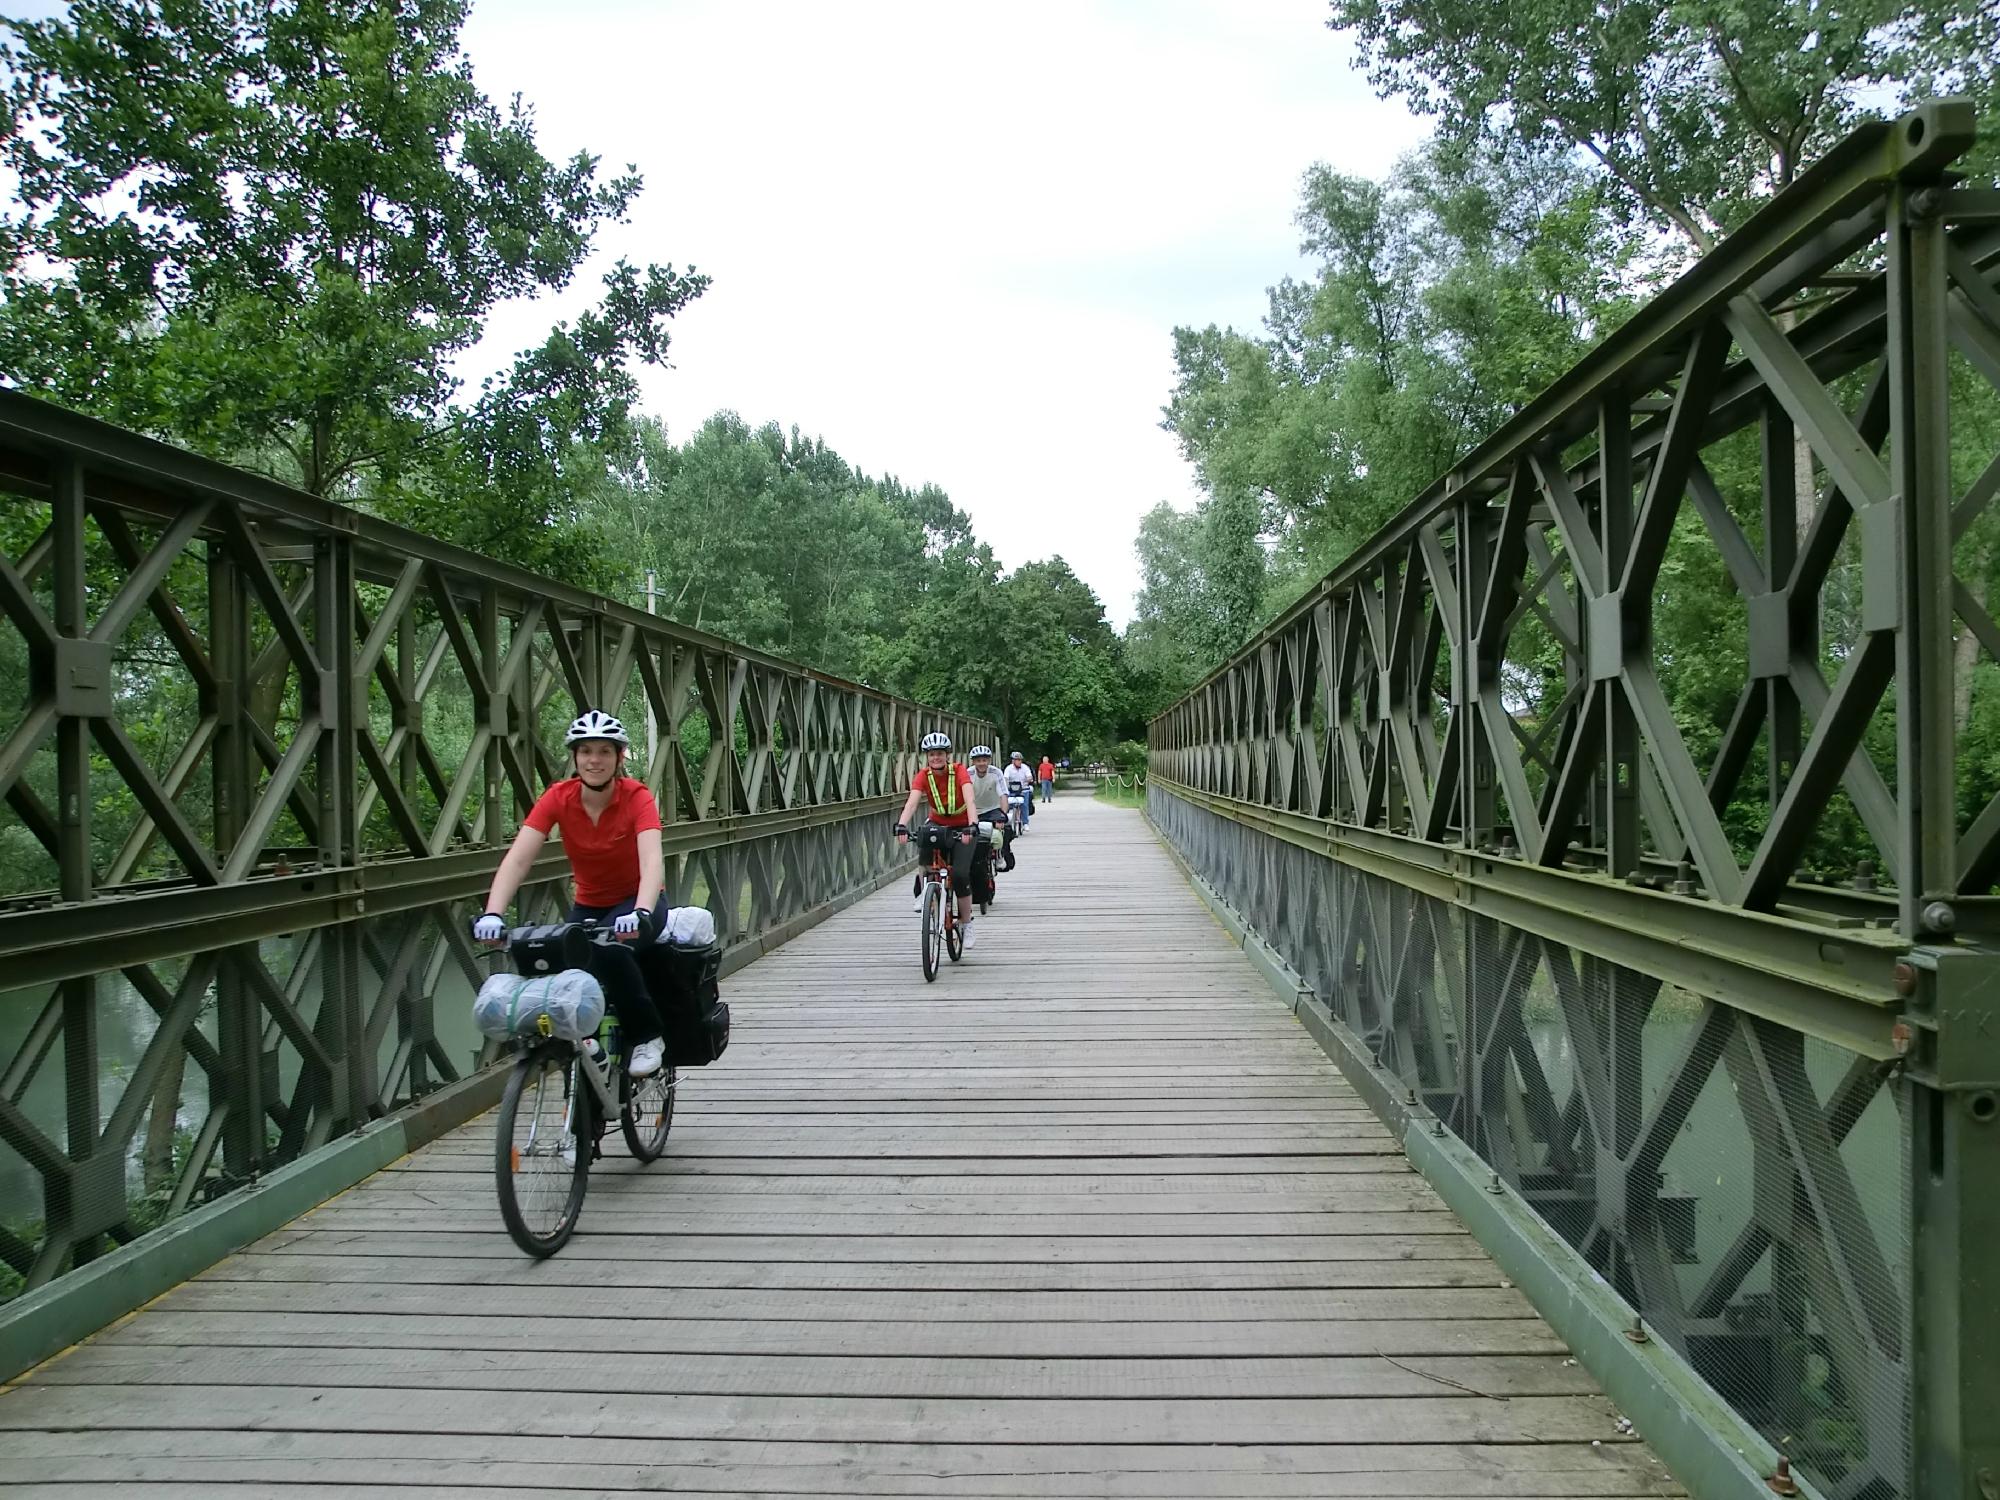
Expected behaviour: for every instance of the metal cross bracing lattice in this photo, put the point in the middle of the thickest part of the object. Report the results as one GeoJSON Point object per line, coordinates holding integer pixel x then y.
{"type": "Point", "coordinates": [1466, 782]}
{"type": "Point", "coordinates": [264, 757]}
{"type": "Point", "coordinates": [1743, 1239]}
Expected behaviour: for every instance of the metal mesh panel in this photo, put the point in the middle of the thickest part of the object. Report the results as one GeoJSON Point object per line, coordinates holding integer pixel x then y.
{"type": "Point", "coordinates": [1743, 1187]}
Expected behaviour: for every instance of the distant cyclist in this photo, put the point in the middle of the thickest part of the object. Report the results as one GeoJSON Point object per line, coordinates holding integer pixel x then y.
{"type": "Point", "coordinates": [610, 829]}
{"type": "Point", "coordinates": [1046, 774]}
{"type": "Point", "coordinates": [945, 788]}
{"type": "Point", "coordinates": [1021, 783]}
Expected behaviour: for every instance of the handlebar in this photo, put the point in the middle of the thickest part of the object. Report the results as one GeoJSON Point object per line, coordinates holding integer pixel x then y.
{"type": "Point", "coordinates": [599, 931]}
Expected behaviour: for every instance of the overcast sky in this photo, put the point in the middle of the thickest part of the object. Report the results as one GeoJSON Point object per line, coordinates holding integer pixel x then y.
{"type": "Point", "coordinates": [952, 240]}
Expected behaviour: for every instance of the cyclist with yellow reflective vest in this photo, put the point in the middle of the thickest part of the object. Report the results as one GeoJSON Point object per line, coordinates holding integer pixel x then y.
{"type": "Point", "coordinates": [945, 787]}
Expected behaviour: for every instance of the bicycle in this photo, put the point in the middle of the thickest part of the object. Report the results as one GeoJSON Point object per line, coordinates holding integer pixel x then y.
{"type": "Point", "coordinates": [940, 930]}
{"type": "Point", "coordinates": [553, 1113]}
{"type": "Point", "coordinates": [991, 856]}
{"type": "Point", "coordinates": [1016, 819]}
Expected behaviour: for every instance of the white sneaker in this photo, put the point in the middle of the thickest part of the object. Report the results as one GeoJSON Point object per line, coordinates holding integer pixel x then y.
{"type": "Point", "coordinates": [918, 904]}
{"type": "Point", "coordinates": [968, 935]}
{"type": "Point", "coordinates": [646, 1058]}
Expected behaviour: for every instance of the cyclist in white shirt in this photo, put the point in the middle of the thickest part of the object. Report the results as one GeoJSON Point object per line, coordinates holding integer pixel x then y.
{"type": "Point", "coordinates": [1020, 779]}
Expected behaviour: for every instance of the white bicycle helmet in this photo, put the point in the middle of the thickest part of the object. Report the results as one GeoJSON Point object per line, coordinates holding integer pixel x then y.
{"type": "Point", "coordinates": [982, 750]}
{"type": "Point", "coordinates": [937, 739]}
{"type": "Point", "coordinates": [596, 725]}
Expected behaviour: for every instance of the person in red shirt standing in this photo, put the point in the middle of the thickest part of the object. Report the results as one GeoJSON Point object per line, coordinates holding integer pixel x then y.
{"type": "Point", "coordinates": [1045, 773]}
{"type": "Point", "coordinates": [610, 829]}
{"type": "Point", "coordinates": [947, 788]}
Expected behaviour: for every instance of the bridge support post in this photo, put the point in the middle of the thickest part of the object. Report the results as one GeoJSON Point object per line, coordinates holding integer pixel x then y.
{"type": "Point", "coordinates": [1951, 1098]}
{"type": "Point", "coordinates": [1951, 1091]}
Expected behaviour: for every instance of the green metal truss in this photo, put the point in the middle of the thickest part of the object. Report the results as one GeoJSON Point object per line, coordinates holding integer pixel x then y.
{"type": "Point", "coordinates": [368, 714]}
{"type": "Point", "coordinates": [1438, 828]}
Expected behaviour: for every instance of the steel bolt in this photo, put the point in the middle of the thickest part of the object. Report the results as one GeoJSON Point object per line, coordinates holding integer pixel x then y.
{"type": "Point", "coordinates": [1437, 1129]}
{"type": "Point", "coordinates": [1495, 1185]}
{"type": "Point", "coordinates": [1637, 1332]}
{"type": "Point", "coordinates": [1684, 879]}
{"type": "Point", "coordinates": [1939, 917]}
{"type": "Point", "coordinates": [1782, 1483]}
{"type": "Point", "coordinates": [1864, 875]}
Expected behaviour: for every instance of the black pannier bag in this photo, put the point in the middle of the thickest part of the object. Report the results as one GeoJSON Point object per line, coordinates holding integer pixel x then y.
{"type": "Point", "coordinates": [685, 985]}
{"type": "Point", "coordinates": [550, 949]}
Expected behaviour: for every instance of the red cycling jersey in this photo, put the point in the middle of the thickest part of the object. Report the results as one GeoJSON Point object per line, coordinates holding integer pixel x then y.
{"type": "Point", "coordinates": [949, 793]}
{"type": "Point", "coordinates": [604, 855]}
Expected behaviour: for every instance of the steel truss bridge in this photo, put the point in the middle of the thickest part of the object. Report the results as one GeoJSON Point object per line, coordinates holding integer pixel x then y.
{"type": "Point", "coordinates": [1730, 1117]}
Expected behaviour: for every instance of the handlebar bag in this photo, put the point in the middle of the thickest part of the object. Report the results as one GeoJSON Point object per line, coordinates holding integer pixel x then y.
{"type": "Point", "coordinates": [550, 949]}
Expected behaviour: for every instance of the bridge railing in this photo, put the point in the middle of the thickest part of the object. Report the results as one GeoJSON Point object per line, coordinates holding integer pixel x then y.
{"type": "Point", "coordinates": [1702, 971]}
{"type": "Point", "coordinates": [263, 756]}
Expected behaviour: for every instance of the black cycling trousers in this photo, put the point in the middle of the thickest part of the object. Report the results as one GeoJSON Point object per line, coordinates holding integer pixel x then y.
{"type": "Point", "coordinates": [952, 841]}
{"type": "Point", "coordinates": [616, 966]}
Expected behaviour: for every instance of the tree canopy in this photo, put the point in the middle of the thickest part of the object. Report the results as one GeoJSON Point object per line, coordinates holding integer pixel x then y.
{"type": "Point", "coordinates": [268, 231]}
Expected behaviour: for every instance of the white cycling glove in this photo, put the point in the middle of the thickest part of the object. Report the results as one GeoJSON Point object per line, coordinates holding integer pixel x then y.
{"type": "Point", "coordinates": [490, 928]}
{"type": "Point", "coordinates": [626, 926]}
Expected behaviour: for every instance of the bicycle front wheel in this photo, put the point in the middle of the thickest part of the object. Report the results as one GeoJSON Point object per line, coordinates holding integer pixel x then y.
{"type": "Point", "coordinates": [933, 932]}
{"type": "Point", "coordinates": [649, 1113]}
{"type": "Point", "coordinates": [541, 1153]}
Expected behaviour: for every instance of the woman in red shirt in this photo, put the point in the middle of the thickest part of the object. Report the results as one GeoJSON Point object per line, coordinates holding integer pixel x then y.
{"type": "Point", "coordinates": [610, 829]}
{"type": "Point", "coordinates": [947, 786]}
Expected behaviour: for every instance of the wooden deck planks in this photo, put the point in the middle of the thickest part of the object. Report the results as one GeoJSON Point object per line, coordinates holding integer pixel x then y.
{"type": "Point", "coordinates": [1089, 1216]}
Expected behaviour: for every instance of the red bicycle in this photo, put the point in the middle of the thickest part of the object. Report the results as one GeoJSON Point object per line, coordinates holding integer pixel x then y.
{"type": "Point", "coordinates": [939, 912]}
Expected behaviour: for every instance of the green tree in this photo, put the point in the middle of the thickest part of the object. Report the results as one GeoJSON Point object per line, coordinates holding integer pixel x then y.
{"type": "Point", "coordinates": [1444, 298]}
{"type": "Point", "coordinates": [268, 230]}
{"type": "Point", "coordinates": [1060, 676]}
{"type": "Point", "coordinates": [1203, 578]}
{"type": "Point", "coordinates": [1695, 110]}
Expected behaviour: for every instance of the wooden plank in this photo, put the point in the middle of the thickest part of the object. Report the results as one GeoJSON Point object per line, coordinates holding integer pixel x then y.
{"type": "Point", "coordinates": [558, 1413]}
{"type": "Point", "coordinates": [509, 1462]}
{"type": "Point", "coordinates": [1088, 1216]}
{"type": "Point", "coordinates": [642, 1372]}
{"type": "Point", "coordinates": [1214, 1339]}
{"type": "Point", "coordinates": [1105, 1169]}
{"type": "Point", "coordinates": [638, 1268]}
{"type": "Point", "coordinates": [455, 1193]}
{"type": "Point", "coordinates": [1325, 1250]}
{"type": "Point", "coordinates": [555, 1293]}
{"type": "Point", "coordinates": [660, 1218]}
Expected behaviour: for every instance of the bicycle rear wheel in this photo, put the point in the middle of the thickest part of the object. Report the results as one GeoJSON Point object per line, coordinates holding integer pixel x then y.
{"type": "Point", "coordinates": [933, 930]}
{"type": "Point", "coordinates": [649, 1113]}
{"type": "Point", "coordinates": [541, 1192]}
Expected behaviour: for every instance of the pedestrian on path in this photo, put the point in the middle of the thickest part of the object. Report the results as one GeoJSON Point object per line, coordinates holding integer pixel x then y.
{"type": "Point", "coordinates": [1046, 774]}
